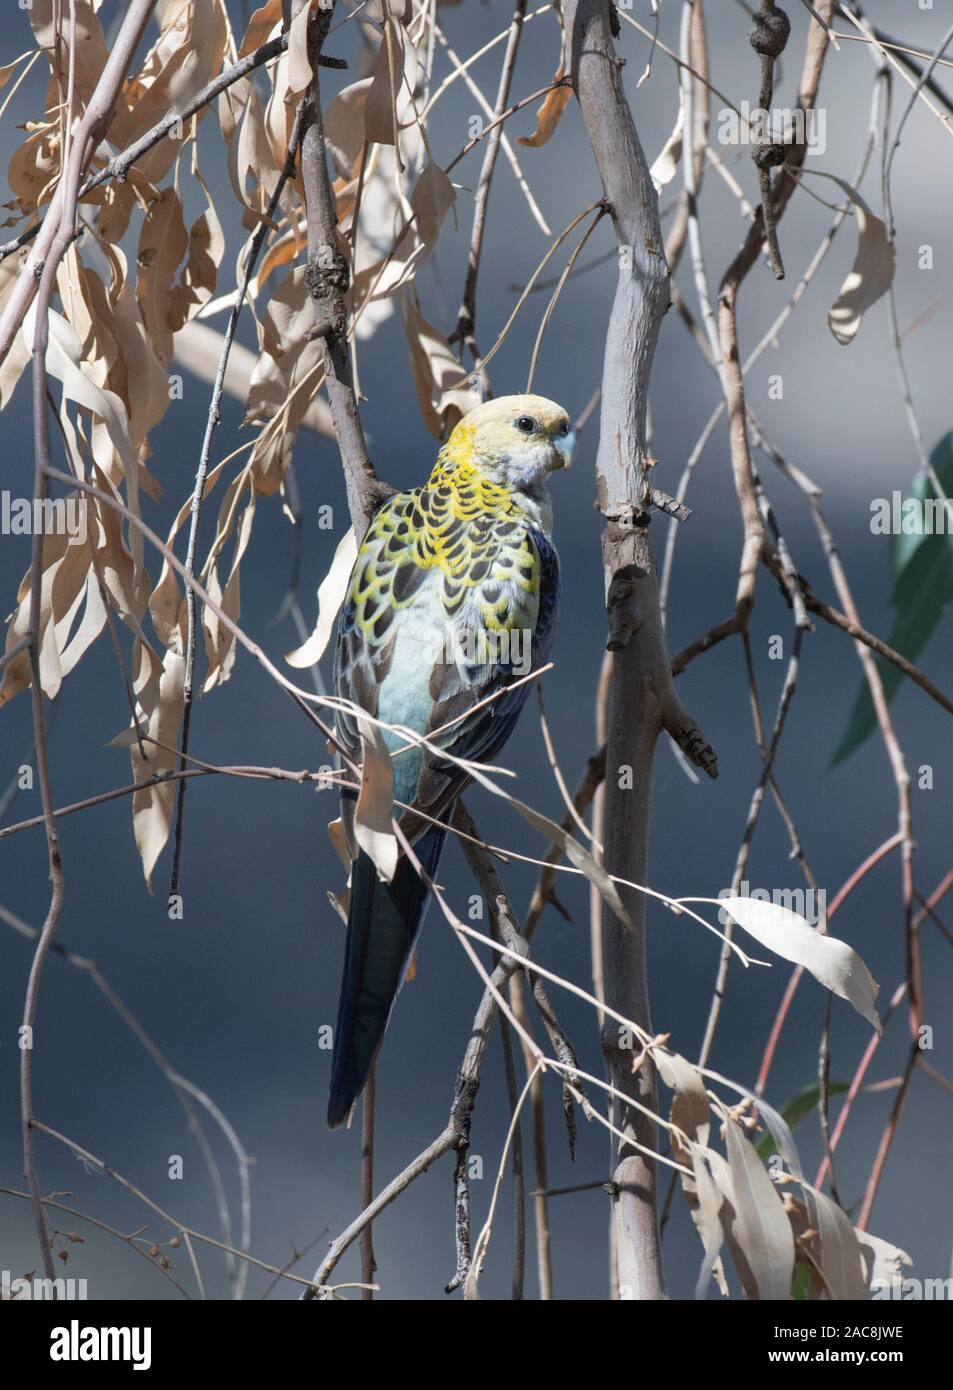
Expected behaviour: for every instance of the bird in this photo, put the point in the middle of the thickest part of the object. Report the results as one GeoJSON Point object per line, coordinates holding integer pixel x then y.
{"type": "Point", "coordinates": [452, 603]}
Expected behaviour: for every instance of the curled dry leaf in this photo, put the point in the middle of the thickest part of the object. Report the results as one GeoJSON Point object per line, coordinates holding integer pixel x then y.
{"type": "Point", "coordinates": [339, 843]}
{"type": "Point", "coordinates": [162, 244]}
{"type": "Point", "coordinates": [220, 644]}
{"type": "Point", "coordinates": [188, 52]}
{"type": "Point", "coordinates": [300, 70]}
{"type": "Point", "coordinates": [126, 586]}
{"type": "Point", "coordinates": [33, 169]}
{"type": "Point", "coordinates": [290, 78]}
{"type": "Point", "coordinates": [82, 291]}
{"type": "Point", "coordinates": [721, 1175]}
{"type": "Point", "coordinates": [159, 691]}
{"type": "Point", "coordinates": [331, 594]}
{"type": "Point", "coordinates": [159, 686]}
{"type": "Point", "coordinates": [205, 252]}
{"type": "Point", "coordinates": [372, 816]}
{"type": "Point", "coordinates": [167, 602]}
{"type": "Point", "coordinates": [547, 118]}
{"type": "Point", "coordinates": [431, 200]}
{"type": "Point", "coordinates": [282, 393]}
{"type": "Point", "coordinates": [870, 276]}
{"type": "Point", "coordinates": [89, 58]}
{"type": "Point", "coordinates": [65, 561]}
{"type": "Point", "coordinates": [832, 962]}
{"type": "Point", "coordinates": [264, 24]}
{"type": "Point", "coordinates": [252, 167]}
{"type": "Point", "coordinates": [344, 127]}
{"type": "Point", "coordinates": [690, 1108]}
{"type": "Point", "coordinates": [72, 608]}
{"type": "Point", "coordinates": [285, 378]}
{"type": "Point", "coordinates": [808, 1278]}
{"type": "Point", "coordinates": [666, 164]}
{"type": "Point", "coordinates": [60, 594]}
{"type": "Point", "coordinates": [435, 369]}
{"type": "Point", "coordinates": [137, 376]}
{"type": "Point", "coordinates": [64, 360]}
{"type": "Point", "coordinates": [389, 99]}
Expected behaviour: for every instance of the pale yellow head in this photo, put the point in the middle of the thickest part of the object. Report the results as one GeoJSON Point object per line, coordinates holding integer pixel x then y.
{"type": "Point", "coordinates": [515, 440]}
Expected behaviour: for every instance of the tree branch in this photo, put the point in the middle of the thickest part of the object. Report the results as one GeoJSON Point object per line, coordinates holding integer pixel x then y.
{"type": "Point", "coordinates": [328, 276]}
{"type": "Point", "coordinates": [642, 699]}
{"type": "Point", "coordinates": [88, 132]}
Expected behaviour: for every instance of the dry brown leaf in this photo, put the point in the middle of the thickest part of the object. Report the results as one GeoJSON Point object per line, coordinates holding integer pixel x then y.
{"type": "Point", "coordinates": [434, 369]}
{"type": "Point", "coordinates": [163, 241]}
{"type": "Point", "coordinates": [90, 54]}
{"type": "Point", "coordinates": [288, 316]}
{"type": "Point", "coordinates": [389, 99]}
{"type": "Point", "coordinates": [57, 552]}
{"type": "Point", "coordinates": [264, 24]}
{"type": "Point", "coordinates": [220, 643]}
{"type": "Point", "coordinates": [128, 591]}
{"type": "Point", "coordinates": [257, 163]}
{"type": "Point", "coordinates": [167, 602]}
{"type": "Point", "coordinates": [547, 118]}
{"type": "Point", "coordinates": [8, 69]}
{"type": "Point", "coordinates": [159, 690]}
{"type": "Point", "coordinates": [189, 50]}
{"type": "Point", "coordinates": [86, 300]}
{"type": "Point", "coordinates": [431, 200]}
{"type": "Point", "coordinates": [282, 252]}
{"type": "Point", "coordinates": [290, 78]}
{"type": "Point", "coordinates": [64, 361]}
{"type": "Point", "coordinates": [299, 71]}
{"type": "Point", "coordinates": [344, 126]}
{"type": "Point", "coordinates": [283, 394]}
{"type": "Point", "coordinates": [375, 804]}
{"type": "Point", "coordinates": [137, 377]}
{"type": "Point", "coordinates": [338, 843]}
{"type": "Point", "coordinates": [285, 378]}
{"type": "Point", "coordinates": [33, 168]}
{"type": "Point", "coordinates": [690, 1108]}
{"type": "Point", "coordinates": [200, 274]}
{"type": "Point", "coordinates": [331, 594]}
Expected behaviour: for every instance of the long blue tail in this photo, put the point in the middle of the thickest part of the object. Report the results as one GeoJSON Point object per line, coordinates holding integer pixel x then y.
{"type": "Point", "coordinates": [383, 923]}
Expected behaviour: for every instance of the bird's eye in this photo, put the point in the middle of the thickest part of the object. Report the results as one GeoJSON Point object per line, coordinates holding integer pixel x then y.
{"type": "Point", "coordinates": [563, 428]}
{"type": "Point", "coordinates": [526, 424]}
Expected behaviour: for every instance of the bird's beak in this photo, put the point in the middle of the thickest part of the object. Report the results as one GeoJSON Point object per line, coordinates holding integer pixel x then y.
{"type": "Point", "coordinates": [565, 446]}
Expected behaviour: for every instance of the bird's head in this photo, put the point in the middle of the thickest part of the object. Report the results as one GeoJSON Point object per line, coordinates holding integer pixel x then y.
{"type": "Point", "coordinates": [514, 440]}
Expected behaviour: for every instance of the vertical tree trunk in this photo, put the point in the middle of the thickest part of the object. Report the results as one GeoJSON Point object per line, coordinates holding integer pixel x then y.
{"type": "Point", "coordinates": [642, 701]}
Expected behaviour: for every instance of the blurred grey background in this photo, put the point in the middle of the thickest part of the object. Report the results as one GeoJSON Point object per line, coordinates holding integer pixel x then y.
{"type": "Point", "coordinates": [235, 993]}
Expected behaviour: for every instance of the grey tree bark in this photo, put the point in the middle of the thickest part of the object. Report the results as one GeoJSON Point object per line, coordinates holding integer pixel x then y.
{"type": "Point", "coordinates": [642, 700]}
